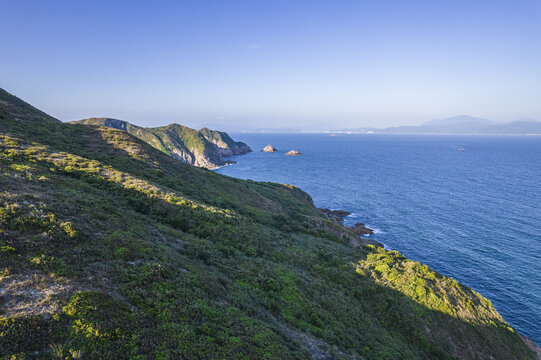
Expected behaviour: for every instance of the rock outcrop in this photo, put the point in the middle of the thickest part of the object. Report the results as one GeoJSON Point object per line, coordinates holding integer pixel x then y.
{"type": "Point", "coordinates": [293, 153]}
{"type": "Point", "coordinates": [353, 233]}
{"type": "Point", "coordinates": [269, 148]}
{"type": "Point", "coordinates": [361, 229]}
{"type": "Point", "coordinates": [336, 215]}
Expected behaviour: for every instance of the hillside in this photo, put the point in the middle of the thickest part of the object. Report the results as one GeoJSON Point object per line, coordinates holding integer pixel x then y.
{"type": "Point", "coordinates": [205, 148]}
{"type": "Point", "coordinates": [111, 249]}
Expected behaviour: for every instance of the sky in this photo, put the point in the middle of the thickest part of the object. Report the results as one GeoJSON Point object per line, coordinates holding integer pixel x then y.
{"type": "Point", "coordinates": [301, 64]}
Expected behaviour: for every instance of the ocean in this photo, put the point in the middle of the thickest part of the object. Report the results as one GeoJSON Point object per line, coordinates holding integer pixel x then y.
{"type": "Point", "coordinates": [467, 206]}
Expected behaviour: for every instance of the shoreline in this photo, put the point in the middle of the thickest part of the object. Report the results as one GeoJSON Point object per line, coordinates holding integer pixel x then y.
{"type": "Point", "coordinates": [356, 232]}
{"type": "Point", "coordinates": [531, 344]}
{"type": "Point", "coordinates": [338, 216]}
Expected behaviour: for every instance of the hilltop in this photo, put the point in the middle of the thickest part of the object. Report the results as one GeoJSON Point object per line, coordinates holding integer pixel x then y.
{"type": "Point", "coordinates": [205, 148]}
{"type": "Point", "coordinates": [112, 249]}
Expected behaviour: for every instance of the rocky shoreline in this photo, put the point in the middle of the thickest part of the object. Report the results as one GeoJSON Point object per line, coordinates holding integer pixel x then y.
{"type": "Point", "coordinates": [358, 229]}
{"type": "Point", "coordinates": [532, 345]}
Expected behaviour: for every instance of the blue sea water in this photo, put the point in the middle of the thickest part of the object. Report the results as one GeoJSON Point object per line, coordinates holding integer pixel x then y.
{"type": "Point", "coordinates": [474, 215]}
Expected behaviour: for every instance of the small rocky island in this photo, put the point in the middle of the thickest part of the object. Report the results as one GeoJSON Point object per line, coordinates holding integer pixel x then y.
{"type": "Point", "coordinates": [293, 153]}
{"type": "Point", "coordinates": [269, 148]}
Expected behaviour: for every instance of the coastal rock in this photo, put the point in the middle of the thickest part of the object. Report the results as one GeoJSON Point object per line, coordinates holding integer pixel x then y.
{"type": "Point", "coordinates": [532, 345]}
{"type": "Point", "coordinates": [336, 215]}
{"type": "Point", "coordinates": [361, 229]}
{"type": "Point", "coordinates": [353, 233]}
{"type": "Point", "coordinates": [269, 148]}
{"type": "Point", "coordinates": [360, 242]}
{"type": "Point", "coordinates": [293, 153]}
{"type": "Point", "coordinates": [342, 231]}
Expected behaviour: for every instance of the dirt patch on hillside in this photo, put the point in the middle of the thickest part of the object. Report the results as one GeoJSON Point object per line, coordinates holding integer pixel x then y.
{"type": "Point", "coordinates": [33, 294]}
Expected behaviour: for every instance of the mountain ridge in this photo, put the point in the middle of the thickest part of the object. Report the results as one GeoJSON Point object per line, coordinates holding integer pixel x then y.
{"type": "Point", "coordinates": [204, 148]}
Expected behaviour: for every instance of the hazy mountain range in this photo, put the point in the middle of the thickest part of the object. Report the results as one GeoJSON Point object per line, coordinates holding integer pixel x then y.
{"type": "Point", "coordinates": [464, 124]}
{"type": "Point", "coordinates": [468, 125]}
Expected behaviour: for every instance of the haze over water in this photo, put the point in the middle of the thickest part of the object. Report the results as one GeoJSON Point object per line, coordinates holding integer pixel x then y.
{"type": "Point", "coordinates": [473, 215]}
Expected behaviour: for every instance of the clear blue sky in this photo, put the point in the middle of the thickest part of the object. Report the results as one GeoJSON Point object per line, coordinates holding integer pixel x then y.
{"type": "Point", "coordinates": [274, 63]}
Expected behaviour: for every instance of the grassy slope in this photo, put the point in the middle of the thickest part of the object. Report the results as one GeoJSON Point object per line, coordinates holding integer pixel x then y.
{"type": "Point", "coordinates": [190, 145]}
{"type": "Point", "coordinates": [112, 249]}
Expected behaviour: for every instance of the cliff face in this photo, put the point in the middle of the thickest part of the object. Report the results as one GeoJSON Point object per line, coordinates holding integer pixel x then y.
{"type": "Point", "coordinates": [204, 148]}
{"type": "Point", "coordinates": [111, 249]}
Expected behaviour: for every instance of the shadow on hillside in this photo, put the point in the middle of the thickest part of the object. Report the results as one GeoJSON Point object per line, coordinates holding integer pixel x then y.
{"type": "Point", "coordinates": [398, 322]}
{"type": "Point", "coordinates": [351, 309]}
{"type": "Point", "coordinates": [126, 152]}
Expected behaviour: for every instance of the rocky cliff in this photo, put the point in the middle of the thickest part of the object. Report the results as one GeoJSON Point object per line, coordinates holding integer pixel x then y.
{"type": "Point", "coordinates": [204, 148]}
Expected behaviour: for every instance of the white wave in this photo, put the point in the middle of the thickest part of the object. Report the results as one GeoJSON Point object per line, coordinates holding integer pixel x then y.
{"type": "Point", "coordinates": [375, 229]}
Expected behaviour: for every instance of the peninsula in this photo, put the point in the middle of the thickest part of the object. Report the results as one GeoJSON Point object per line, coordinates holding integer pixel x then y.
{"type": "Point", "coordinates": [204, 148]}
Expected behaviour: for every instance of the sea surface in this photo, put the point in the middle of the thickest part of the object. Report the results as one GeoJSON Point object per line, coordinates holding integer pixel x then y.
{"type": "Point", "coordinates": [467, 206]}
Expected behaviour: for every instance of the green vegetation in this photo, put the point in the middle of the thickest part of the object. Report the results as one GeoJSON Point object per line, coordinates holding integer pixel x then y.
{"type": "Point", "coordinates": [110, 249]}
{"type": "Point", "coordinates": [205, 147]}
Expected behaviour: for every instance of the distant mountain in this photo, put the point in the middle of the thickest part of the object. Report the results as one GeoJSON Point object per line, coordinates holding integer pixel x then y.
{"type": "Point", "coordinates": [468, 125]}
{"type": "Point", "coordinates": [205, 148]}
{"type": "Point", "coordinates": [517, 128]}
{"type": "Point", "coordinates": [527, 120]}
{"type": "Point", "coordinates": [455, 120]}
{"type": "Point", "coordinates": [232, 127]}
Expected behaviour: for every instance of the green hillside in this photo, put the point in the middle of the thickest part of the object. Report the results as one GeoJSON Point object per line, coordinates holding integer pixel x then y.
{"type": "Point", "coordinates": [111, 249]}
{"type": "Point", "coordinates": [205, 148]}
